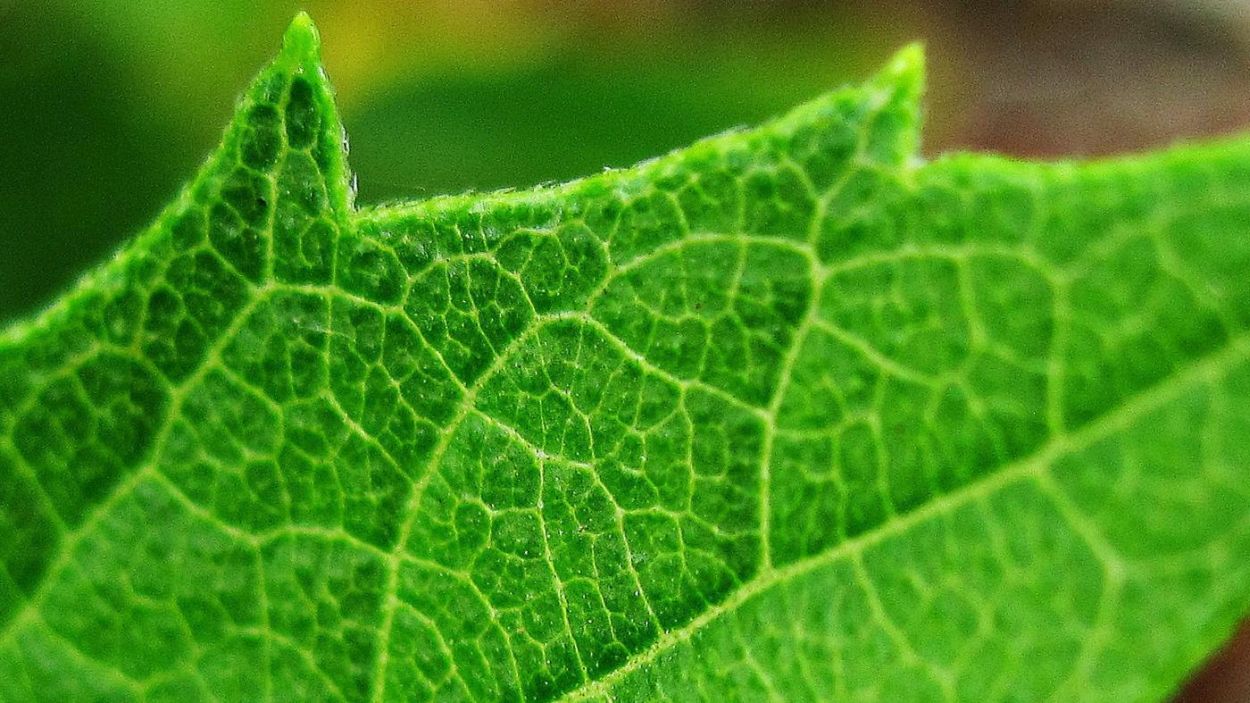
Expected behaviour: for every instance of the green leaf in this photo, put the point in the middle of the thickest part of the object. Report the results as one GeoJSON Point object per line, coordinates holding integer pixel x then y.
{"type": "Point", "coordinates": [789, 414]}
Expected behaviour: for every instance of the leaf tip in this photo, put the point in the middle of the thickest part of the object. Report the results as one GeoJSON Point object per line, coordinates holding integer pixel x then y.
{"type": "Point", "coordinates": [896, 95]}
{"type": "Point", "coordinates": [908, 61]}
{"type": "Point", "coordinates": [905, 71]}
{"type": "Point", "coordinates": [301, 39]}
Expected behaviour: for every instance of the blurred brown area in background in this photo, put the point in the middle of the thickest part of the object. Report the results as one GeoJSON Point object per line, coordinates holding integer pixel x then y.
{"type": "Point", "coordinates": [1226, 676]}
{"type": "Point", "coordinates": [1088, 78]}
{"type": "Point", "coordinates": [113, 102]}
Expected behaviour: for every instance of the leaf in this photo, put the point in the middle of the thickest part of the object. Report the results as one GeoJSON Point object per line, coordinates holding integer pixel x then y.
{"type": "Point", "coordinates": [789, 414]}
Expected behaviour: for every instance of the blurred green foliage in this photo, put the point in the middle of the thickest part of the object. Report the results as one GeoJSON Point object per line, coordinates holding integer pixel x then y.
{"type": "Point", "coordinates": [114, 102]}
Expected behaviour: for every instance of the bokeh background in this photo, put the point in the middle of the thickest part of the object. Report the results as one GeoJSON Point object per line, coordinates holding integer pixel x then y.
{"type": "Point", "coordinates": [106, 106]}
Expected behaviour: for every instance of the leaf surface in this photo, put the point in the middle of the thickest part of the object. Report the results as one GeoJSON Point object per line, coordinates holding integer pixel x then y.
{"type": "Point", "coordinates": [789, 414]}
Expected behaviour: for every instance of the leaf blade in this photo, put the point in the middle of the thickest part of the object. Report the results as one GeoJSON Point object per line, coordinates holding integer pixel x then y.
{"type": "Point", "coordinates": [786, 414]}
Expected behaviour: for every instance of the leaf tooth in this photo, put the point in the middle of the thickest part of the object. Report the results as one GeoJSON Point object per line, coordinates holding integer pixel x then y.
{"type": "Point", "coordinates": [301, 40]}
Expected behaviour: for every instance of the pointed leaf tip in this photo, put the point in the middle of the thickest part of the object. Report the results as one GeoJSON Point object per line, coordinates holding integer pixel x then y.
{"type": "Point", "coordinates": [909, 59]}
{"type": "Point", "coordinates": [301, 39]}
{"type": "Point", "coordinates": [906, 69]}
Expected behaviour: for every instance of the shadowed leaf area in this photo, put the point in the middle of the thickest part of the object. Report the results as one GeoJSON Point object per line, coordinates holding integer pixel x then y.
{"type": "Point", "coordinates": [789, 414]}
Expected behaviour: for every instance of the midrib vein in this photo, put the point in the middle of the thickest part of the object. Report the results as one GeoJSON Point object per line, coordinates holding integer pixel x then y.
{"type": "Point", "coordinates": [1206, 368]}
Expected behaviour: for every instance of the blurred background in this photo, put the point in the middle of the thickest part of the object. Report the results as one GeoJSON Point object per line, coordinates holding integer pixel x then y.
{"type": "Point", "coordinates": [108, 105]}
